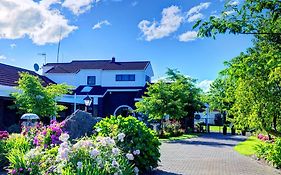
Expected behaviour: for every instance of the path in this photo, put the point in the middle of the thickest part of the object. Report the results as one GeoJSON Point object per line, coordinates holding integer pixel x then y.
{"type": "Point", "coordinates": [209, 154]}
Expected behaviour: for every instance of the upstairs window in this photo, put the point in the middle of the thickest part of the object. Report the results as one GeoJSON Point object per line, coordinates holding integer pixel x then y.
{"type": "Point", "coordinates": [91, 80]}
{"type": "Point", "coordinates": [126, 77]}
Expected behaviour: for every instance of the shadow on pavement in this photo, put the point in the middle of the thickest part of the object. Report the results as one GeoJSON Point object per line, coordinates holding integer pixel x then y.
{"type": "Point", "coordinates": [215, 140]}
{"type": "Point", "coordinates": [160, 172]}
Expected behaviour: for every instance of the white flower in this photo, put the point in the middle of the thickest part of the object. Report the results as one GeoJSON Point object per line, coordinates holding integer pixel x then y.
{"type": "Point", "coordinates": [64, 137]}
{"type": "Point", "coordinates": [136, 152]}
{"type": "Point", "coordinates": [79, 165]}
{"type": "Point", "coordinates": [115, 151]}
{"type": "Point", "coordinates": [130, 156]}
{"type": "Point", "coordinates": [114, 163]}
{"type": "Point", "coordinates": [136, 170]}
{"type": "Point", "coordinates": [94, 153]}
{"type": "Point", "coordinates": [109, 141]}
{"type": "Point", "coordinates": [121, 137]}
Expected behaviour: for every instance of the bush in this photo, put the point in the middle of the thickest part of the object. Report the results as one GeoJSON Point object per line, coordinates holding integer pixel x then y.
{"type": "Point", "coordinates": [271, 152]}
{"type": "Point", "coordinates": [3, 151]}
{"type": "Point", "coordinates": [139, 139]}
{"type": "Point", "coordinates": [173, 129]}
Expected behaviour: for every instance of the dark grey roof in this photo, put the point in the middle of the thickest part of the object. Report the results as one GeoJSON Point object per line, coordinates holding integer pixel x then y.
{"type": "Point", "coordinates": [9, 75]}
{"type": "Point", "coordinates": [76, 66]}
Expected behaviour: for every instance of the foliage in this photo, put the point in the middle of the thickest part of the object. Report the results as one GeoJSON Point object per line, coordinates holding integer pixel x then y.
{"type": "Point", "coordinates": [3, 151]}
{"type": "Point", "coordinates": [175, 96]}
{"type": "Point", "coordinates": [44, 135]}
{"type": "Point", "coordinates": [139, 138]}
{"type": "Point", "coordinates": [271, 152]}
{"type": "Point", "coordinates": [249, 88]}
{"type": "Point", "coordinates": [101, 157]}
{"type": "Point", "coordinates": [260, 17]}
{"type": "Point", "coordinates": [34, 98]}
{"type": "Point", "coordinates": [173, 129]}
{"type": "Point", "coordinates": [87, 157]}
{"type": "Point", "coordinates": [15, 128]}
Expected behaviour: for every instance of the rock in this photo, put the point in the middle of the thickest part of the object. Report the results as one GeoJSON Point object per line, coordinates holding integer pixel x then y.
{"type": "Point", "coordinates": [79, 124]}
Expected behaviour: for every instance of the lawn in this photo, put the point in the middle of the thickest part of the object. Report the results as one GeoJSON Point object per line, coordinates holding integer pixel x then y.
{"type": "Point", "coordinates": [219, 129]}
{"type": "Point", "coordinates": [248, 147]}
{"type": "Point", "coordinates": [183, 137]}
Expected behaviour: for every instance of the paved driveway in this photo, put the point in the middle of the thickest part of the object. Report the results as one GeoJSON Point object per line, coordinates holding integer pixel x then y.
{"type": "Point", "coordinates": [210, 154]}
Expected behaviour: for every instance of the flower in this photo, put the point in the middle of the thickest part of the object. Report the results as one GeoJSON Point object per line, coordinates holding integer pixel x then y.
{"type": "Point", "coordinates": [79, 165]}
{"type": "Point", "coordinates": [130, 156]}
{"type": "Point", "coordinates": [115, 151]}
{"type": "Point", "coordinates": [136, 152]}
{"type": "Point", "coordinates": [136, 170]}
{"type": "Point", "coordinates": [114, 163]}
{"type": "Point", "coordinates": [121, 137]}
{"type": "Point", "coordinates": [94, 153]}
{"type": "Point", "coordinates": [64, 137]}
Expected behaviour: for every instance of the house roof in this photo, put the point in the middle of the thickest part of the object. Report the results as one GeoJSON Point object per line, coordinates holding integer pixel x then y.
{"type": "Point", "coordinates": [76, 66]}
{"type": "Point", "coordinates": [9, 75]}
{"type": "Point", "coordinates": [99, 90]}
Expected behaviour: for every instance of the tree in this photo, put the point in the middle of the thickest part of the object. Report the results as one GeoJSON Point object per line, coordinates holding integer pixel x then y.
{"type": "Point", "coordinates": [252, 79]}
{"type": "Point", "coordinates": [175, 96]}
{"type": "Point", "coordinates": [258, 17]}
{"type": "Point", "coordinates": [34, 98]}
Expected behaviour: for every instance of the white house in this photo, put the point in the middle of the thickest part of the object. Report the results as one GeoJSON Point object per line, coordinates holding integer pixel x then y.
{"type": "Point", "coordinates": [113, 86]}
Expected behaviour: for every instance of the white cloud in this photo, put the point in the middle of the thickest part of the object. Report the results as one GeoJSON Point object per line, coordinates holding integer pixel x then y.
{"type": "Point", "coordinates": [13, 45]}
{"type": "Point", "coordinates": [28, 18]}
{"type": "Point", "coordinates": [230, 12]}
{"type": "Point", "coordinates": [79, 6]}
{"type": "Point", "coordinates": [195, 14]}
{"type": "Point", "coordinates": [205, 85]}
{"type": "Point", "coordinates": [100, 24]}
{"type": "Point", "coordinates": [3, 57]}
{"type": "Point", "coordinates": [195, 17]}
{"type": "Point", "coordinates": [48, 3]}
{"type": "Point", "coordinates": [188, 36]}
{"type": "Point", "coordinates": [170, 22]}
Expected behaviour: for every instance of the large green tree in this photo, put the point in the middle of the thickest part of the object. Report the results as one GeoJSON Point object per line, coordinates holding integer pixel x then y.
{"type": "Point", "coordinates": [176, 96]}
{"type": "Point", "coordinates": [32, 97]}
{"type": "Point", "coordinates": [252, 79]}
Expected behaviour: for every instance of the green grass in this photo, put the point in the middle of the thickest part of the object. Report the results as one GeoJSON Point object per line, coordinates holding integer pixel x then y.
{"type": "Point", "coordinates": [182, 137]}
{"type": "Point", "coordinates": [248, 147]}
{"type": "Point", "coordinates": [219, 129]}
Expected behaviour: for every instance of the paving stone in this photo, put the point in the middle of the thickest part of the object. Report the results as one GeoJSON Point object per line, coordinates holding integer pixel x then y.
{"type": "Point", "coordinates": [209, 154]}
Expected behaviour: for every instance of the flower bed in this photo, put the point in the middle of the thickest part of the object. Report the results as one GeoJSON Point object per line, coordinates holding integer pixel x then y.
{"type": "Point", "coordinates": [47, 150]}
{"type": "Point", "coordinates": [4, 135]}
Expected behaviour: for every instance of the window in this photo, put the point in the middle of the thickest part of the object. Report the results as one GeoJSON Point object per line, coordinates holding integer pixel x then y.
{"type": "Point", "coordinates": [126, 77]}
{"type": "Point", "coordinates": [91, 80]}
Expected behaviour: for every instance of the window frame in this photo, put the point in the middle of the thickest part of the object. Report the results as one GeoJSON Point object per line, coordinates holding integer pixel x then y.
{"type": "Point", "coordinates": [95, 82]}
{"type": "Point", "coordinates": [125, 77]}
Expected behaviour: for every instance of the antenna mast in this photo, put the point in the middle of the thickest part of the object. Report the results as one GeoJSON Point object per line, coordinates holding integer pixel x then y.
{"type": "Point", "coordinates": [58, 53]}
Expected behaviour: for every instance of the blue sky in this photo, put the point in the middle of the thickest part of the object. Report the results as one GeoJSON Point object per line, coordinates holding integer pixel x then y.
{"type": "Point", "coordinates": [155, 30]}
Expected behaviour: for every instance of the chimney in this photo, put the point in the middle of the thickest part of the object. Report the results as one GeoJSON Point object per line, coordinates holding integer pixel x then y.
{"type": "Point", "coordinates": [113, 60]}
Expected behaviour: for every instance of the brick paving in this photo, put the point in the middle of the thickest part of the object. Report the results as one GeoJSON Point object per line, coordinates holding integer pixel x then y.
{"type": "Point", "coordinates": [209, 154]}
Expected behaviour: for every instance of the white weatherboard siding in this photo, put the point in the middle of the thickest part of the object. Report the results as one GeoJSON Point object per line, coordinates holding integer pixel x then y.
{"type": "Point", "coordinates": [5, 91]}
{"type": "Point", "coordinates": [105, 78]}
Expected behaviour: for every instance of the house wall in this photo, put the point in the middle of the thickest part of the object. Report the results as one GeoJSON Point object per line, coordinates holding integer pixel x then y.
{"type": "Point", "coordinates": [103, 77]}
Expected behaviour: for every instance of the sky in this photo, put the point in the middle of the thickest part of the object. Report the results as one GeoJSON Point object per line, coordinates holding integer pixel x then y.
{"type": "Point", "coordinates": [159, 31]}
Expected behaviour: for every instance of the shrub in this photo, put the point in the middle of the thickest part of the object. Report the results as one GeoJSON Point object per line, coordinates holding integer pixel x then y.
{"type": "Point", "coordinates": [138, 139]}
{"type": "Point", "coordinates": [15, 128]}
{"type": "Point", "coordinates": [271, 152]}
{"type": "Point", "coordinates": [3, 151]}
{"type": "Point", "coordinates": [173, 128]}
{"type": "Point", "coordinates": [44, 135]}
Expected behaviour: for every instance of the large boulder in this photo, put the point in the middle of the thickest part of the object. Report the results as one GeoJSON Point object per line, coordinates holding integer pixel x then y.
{"type": "Point", "coordinates": [79, 124]}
